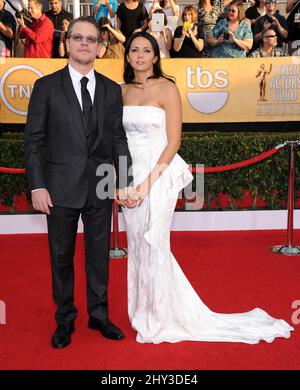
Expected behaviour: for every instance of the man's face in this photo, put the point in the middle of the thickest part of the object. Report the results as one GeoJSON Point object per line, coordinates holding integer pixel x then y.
{"type": "Point", "coordinates": [35, 11]}
{"type": "Point", "coordinates": [55, 6]}
{"type": "Point", "coordinates": [83, 43]}
{"type": "Point", "coordinates": [1, 5]}
{"type": "Point", "coordinates": [270, 5]}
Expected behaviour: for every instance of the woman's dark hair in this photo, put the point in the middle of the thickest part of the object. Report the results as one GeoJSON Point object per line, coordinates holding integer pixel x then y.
{"type": "Point", "coordinates": [103, 20]}
{"type": "Point", "coordinates": [128, 73]}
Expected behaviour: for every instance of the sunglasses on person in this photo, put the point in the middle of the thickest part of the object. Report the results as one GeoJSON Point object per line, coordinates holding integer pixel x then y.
{"type": "Point", "coordinates": [270, 1]}
{"type": "Point", "coordinates": [80, 38]}
{"type": "Point", "coordinates": [232, 10]}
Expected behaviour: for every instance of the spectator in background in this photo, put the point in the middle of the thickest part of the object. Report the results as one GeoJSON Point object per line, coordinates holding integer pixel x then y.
{"type": "Point", "coordinates": [232, 37]}
{"type": "Point", "coordinates": [256, 11]}
{"type": "Point", "coordinates": [103, 8]}
{"type": "Point", "coordinates": [164, 37]}
{"type": "Point", "coordinates": [269, 46]}
{"type": "Point", "coordinates": [272, 19]}
{"type": "Point", "coordinates": [132, 17]}
{"type": "Point", "coordinates": [7, 31]}
{"type": "Point", "coordinates": [111, 41]}
{"type": "Point", "coordinates": [209, 12]}
{"type": "Point", "coordinates": [186, 41]}
{"type": "Point", "coordinates": [171, 10]}
{"type": "Point", "coordinates": [57, 14]}
{"type": "Point", "coordinates": [62, 49]}
{"type": "Point", "coordinates": [293, 21]}
{"type": "Point", "coordinates": [39, 34]}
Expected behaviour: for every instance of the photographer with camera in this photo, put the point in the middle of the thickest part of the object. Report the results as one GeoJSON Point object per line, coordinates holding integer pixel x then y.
{"type": "Point", "coordinates": [187, 44]}
{"type": "Point", "coordinates": [272, 19]}
{"type": "Point", "coordinates": [232, 37]}
{"type": "Point", "coordinates": [39, 34]}
{"type": "Point", "coordinates": [103, 8]}
{"type": "Point", "coordinates": [171, 10]}
{"type": "Point", "coordinates": [7, 31]}
{"type": "Point", "coordinates": [162, 33]}
{"type": "Point", "coordinates": [111, 40]}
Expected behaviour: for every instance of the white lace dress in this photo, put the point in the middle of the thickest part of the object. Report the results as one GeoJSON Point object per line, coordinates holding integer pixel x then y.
{"type": "Point", "coordinates": [162, 304]}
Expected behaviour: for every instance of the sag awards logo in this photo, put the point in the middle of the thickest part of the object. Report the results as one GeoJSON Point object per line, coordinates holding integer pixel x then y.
{"type": "Point", "coordinates": [206, 102]}
{"type": "Point", "coordinates": [16, 85]}
{"type": "Point", "coordinates": [278, 90]}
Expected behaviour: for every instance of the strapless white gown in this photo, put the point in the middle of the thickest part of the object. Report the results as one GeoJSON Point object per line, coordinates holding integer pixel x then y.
{"type": "Point", "coordinates": [162, 304]}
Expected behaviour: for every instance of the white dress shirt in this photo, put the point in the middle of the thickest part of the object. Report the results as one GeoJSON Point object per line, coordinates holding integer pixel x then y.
{"type": "Point", "coordinates": [91, 85]}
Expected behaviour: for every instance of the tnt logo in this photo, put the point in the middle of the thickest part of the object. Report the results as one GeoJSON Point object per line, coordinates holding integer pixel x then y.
{"type": "Point", "coordinates": [206, 102]}
{"type": "Point", "coordinates": [2, 313]}
{"type": "Point", "coordinates": [16, 85]}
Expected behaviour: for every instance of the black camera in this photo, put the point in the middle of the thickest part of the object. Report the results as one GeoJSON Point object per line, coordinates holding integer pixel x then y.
{"type": "Point", "coordinates": [271, 21]}
{"type": "Point", "coordinates": [26, 15]}
{"type": "Point", "coordinates": [226, 36]}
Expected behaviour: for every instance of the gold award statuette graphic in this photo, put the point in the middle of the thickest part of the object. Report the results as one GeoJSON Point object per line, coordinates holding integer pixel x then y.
{"type": "Point", "coordinates": [15, 89]}
{"type": "Point", "coordinates": [262, 81]}
{"type": "Point", "coordinates": [278, 90]}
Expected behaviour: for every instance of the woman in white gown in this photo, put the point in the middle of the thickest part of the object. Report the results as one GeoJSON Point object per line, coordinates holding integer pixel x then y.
{"type": "Point", "coordinates": [162, 304]}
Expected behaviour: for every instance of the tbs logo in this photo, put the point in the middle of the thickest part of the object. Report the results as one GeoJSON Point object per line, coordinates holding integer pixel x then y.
{"type": "Point", "coordinates": [206, 102]}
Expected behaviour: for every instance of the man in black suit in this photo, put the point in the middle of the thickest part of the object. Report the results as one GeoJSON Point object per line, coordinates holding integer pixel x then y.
{"type": "Point", "coordinates": [73, 135]}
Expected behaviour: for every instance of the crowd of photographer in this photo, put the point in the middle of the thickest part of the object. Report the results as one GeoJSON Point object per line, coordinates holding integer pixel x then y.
{"type": "Point", "coordinates": [216, 28]}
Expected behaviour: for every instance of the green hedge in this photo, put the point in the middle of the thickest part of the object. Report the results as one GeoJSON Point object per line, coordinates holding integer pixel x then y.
{"type": "Point", "coordinates": [268, 178]}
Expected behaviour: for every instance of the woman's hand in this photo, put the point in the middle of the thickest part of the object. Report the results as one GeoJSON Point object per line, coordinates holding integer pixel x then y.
{"type": "Point", "coordinates": [142, 190]}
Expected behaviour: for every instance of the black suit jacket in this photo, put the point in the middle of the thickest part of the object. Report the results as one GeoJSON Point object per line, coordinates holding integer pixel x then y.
{"type": "Point", "coordinates": [57, 156]}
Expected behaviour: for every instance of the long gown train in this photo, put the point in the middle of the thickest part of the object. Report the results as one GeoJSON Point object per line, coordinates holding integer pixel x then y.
{"type": "Point", "coordinates": [162, 304]}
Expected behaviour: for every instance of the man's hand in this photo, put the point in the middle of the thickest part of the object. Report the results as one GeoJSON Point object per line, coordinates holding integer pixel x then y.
{"type": "Point", "coordinates": [21, 21]}
{"type": "Point", "coordinates": [41, 200]}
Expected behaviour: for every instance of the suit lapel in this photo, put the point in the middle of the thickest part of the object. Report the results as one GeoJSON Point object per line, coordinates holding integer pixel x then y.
{"type": "Point", "coordinates": [73, 102]}
{"type": "Point", "coordinates": [100, 93]}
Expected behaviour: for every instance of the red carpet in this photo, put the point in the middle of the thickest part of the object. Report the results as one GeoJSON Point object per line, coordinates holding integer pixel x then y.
{"type": "Point", "coordinates": [232, 272]}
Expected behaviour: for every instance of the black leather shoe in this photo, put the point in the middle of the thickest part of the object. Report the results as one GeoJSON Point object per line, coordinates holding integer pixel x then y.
{"type": "Point", "coordinates": [62, 336]}
{"type": "Point", "coordinates": [109, 330]}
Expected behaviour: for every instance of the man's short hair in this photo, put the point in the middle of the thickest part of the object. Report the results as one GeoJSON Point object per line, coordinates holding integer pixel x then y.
{"type": "Point", "coordinates": [85, 19]}
{"type": "Point", "coordinates": [37, 3]}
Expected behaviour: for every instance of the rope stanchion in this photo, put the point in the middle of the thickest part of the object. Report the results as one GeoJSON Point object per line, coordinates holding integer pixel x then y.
{"type": "Point", "coordinates": [289, 249]}
{"type": "Point", "coordinates": [116, 252]}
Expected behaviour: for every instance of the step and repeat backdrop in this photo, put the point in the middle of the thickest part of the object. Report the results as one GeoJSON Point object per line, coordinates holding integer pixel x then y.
{"type": "Point", "coordinates": [212, 90]}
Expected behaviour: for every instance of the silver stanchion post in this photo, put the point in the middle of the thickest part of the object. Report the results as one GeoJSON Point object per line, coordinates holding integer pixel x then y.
{"type": "Point", "coordinates": [289, 249]}
{"type": "Point", "coordinates": [116, 252]}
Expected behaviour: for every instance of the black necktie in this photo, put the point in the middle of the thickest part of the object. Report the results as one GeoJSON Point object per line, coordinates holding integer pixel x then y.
{"type": "Point", "coordinates": [87, 104]}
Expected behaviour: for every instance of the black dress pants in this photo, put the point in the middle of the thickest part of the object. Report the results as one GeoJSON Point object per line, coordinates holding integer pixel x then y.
{"type": "Point", "coordinates": [62, 232]}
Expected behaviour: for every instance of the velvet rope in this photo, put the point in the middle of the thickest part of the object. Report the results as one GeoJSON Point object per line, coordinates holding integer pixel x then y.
{"type": "Point", "coordinates": [239, 164]}
{"type": "Point", "coordinates": [220, 168]}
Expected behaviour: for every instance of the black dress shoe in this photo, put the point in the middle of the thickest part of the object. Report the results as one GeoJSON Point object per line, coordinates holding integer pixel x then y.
{"type": "Point", "coordinates": [62, 336]}
{"type": "Point", "coordinates": [108, 330]}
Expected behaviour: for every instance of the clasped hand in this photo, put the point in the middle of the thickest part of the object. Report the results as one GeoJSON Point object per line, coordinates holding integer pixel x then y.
{"type": "Point", "coordinates": [131, 197]}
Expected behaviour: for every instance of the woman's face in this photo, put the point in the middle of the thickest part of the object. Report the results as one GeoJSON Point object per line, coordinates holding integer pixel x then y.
{"type": "Point", "coordinates": [233, 12]}
{"type": "Point", "coordinates": [65, 24]}
{"type": "Point", "coordinates": [141, 55]}
{"type": "Point", "coordinates": [187, 16]}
